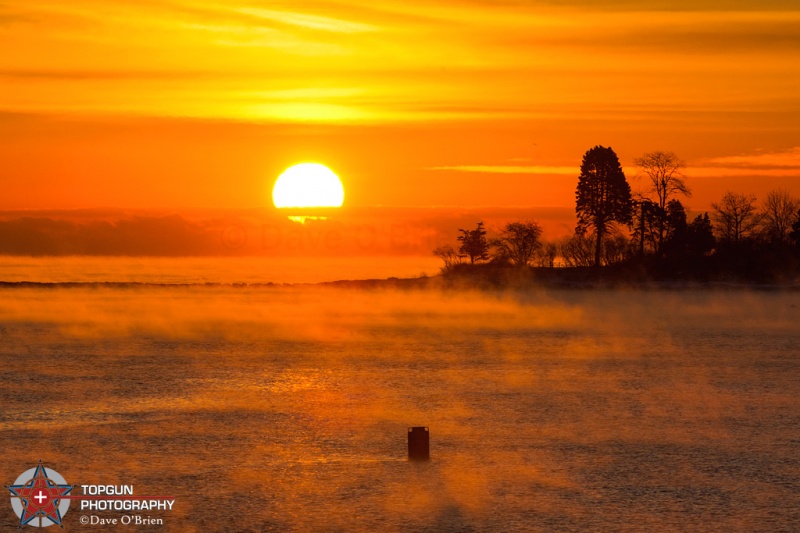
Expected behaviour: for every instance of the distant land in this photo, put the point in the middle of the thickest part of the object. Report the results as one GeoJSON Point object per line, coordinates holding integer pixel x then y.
{"type": "Point", "coordinates": [478, 277]}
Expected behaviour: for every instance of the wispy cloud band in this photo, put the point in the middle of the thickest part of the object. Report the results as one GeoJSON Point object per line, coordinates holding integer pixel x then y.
{"type": "Point", "coordinates": [768, 164]}
{"type": "Point", "coordinates": [510, 169]}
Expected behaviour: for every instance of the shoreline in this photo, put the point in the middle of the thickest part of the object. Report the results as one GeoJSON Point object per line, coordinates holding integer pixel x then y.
{"type": "Point", "coordinates": [437, 282]}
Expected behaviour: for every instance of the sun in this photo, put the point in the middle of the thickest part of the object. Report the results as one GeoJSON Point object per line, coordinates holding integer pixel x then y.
{"type": "Point", "coordinates": [308, 185]}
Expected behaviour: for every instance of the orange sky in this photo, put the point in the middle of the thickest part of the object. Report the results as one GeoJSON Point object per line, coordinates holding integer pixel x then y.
{"type": "Point", "coordinates": [195, 103]}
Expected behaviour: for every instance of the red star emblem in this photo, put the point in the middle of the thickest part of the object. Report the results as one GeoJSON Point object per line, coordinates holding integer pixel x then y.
{"type": "Point", "coordinates": [40, 497]}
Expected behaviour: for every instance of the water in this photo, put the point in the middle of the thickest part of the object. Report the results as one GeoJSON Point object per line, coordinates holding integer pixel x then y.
{"type": "Point", "coordinates": [286, 409]}
{"type": "Point", "coordinates": [178, 270]}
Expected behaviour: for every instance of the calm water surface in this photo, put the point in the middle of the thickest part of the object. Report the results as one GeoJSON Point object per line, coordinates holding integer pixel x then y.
{"type": "Point", "coordinates": [286, 409]}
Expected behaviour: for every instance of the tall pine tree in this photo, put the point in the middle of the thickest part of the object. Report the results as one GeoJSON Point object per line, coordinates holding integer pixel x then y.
{"type": "Point", "coordinates": [603, 196]}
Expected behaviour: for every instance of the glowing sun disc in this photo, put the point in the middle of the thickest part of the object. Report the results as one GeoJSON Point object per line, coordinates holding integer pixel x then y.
{"type": "Point", "coordinates": [308, 185]}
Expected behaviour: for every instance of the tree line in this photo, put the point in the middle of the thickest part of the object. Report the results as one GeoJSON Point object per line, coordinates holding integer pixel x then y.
{"type": "Point", "coordinates": [651, 227]}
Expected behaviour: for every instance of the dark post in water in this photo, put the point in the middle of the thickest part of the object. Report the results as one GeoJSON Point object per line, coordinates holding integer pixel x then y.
{"type": "Point", "coordinates": [419, 443]}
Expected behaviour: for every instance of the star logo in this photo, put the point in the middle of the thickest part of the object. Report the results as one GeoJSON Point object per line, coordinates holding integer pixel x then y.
{"type": "Point", "coordinates": [40, 494]}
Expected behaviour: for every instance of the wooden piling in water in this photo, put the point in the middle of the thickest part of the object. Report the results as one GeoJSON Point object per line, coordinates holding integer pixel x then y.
{"type": "Point", "coordinates": [419, 442]}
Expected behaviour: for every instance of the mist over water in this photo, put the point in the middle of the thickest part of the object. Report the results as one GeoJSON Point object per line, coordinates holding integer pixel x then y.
{"type": "Point", "coordinates": [287, 408]}
{"type": "Point", "coordinates": [183, 270]}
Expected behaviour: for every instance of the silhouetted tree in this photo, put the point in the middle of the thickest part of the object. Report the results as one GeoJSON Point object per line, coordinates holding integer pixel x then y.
{"type": "Point", "coordinates": [603, 196]}
{"type": "Point", "coordinates": [518, 241]}
{"type": "Point", "coordinates": [700, 235]}
{"type": "Point", "coordinates": [676, 229]}
{"type": "Point", "coordinates": [546, 255]}
{"type": "Point", "coordinates": [736, 217]}
{"type": "Point", "coordinates": [616, 248]}
{"type": "Point", "coordinates": [676, 223]}
{"type": "Point", "coordinates": [778, 215]}
{"type": "Point", "coordinates": [646, 220]}
{"type": "Point", "coordinates": [577, 250]}
{"type": "Point", "coordinates": [449, 255]}
{"type": "Point", "coordinates": [474, 244]}
{"type": "Point", "coordinates": [665, 171]}
{"type": "Point", "coordinates": [795, 233]}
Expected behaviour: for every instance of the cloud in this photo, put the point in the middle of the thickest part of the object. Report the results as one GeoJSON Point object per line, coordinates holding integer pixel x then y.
{"type": "Point", "coordinates": [169, 235]}
{"type": "Point", "coordinates": [510, 169]}
{"type": "Point", "coordinates": [509, 55]}
{"type": "Point", "coordinates": [672, 5]}
{"type": "Point", "coordinates": [305, 20]}
{"type": "Point", "coordinates": [351, 232]}
{"type": "Point", "coordinates": [724, 37]}
{"type": "Point", "coordinates": [772, 164]}
{"type": "Point", "coordinates": [109, 75]}
{"type": "Point", "coordinates": [788, 159]}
